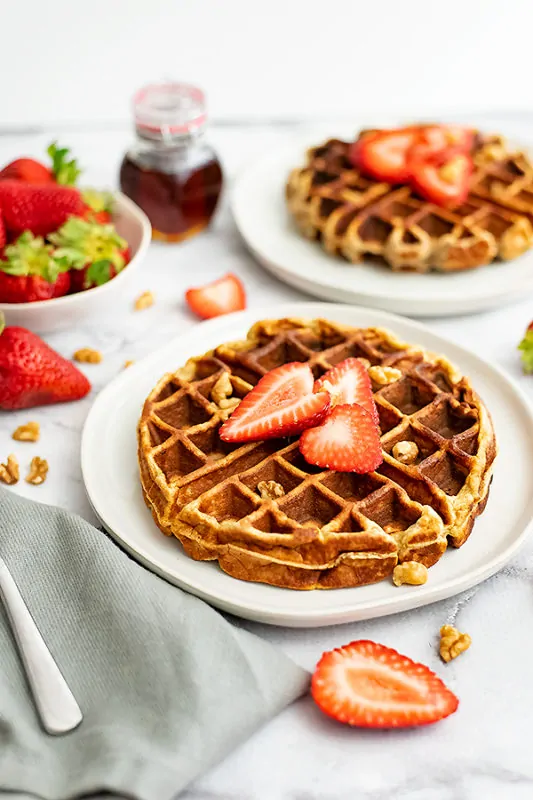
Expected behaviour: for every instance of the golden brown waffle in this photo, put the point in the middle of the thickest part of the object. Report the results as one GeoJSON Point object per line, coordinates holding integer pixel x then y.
{"type": "Point", "coordinates": [362, 219]}
{"type": "Point", "coordinates": [266, 514]}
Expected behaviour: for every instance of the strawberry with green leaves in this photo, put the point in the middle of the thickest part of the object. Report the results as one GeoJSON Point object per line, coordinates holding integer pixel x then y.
{"type": "Point", "coordinates": [526, 346]}
{"type": "Point", "coordinates": [98, 205]}
{"type": "Point", "coordinates": [31, 270]}
{"type": "Point", "coordinates": [64, 170]}
{"type": "Point", "coordinates": [95, 252]}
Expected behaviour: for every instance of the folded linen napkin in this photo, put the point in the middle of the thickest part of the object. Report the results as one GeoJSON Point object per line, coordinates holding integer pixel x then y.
{"type": "Point", "coordinates": [166, 685]}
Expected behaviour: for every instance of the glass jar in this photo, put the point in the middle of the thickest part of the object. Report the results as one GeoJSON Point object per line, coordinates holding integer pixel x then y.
{"type": "Point", "coordinates": [171, 172]}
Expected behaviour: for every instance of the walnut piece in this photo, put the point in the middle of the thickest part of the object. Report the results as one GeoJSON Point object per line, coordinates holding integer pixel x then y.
{"type": "Point", "coordinates": [222, 389]}
{"type": "Point", "coordinates": [87, 356]}
{"type": "Point", "coordinates": [452, 642]}
{"type": "Point", "coordinates": [270, 490]}
{"type": "Point", "coordinates": [411, 572]}
{"type": "Point", "coordinates": [145, 300]}
{"type": "Point", "coordinates": [405, 452]}
{"type": "Point", "coordinates": [9, 472]}
{"type": "Point", "coordinates": [27, 433]}
{"type": "Point", "coordinates": [384, 375]}
{"type": "Point", "coordinates": [38, 471]}
{"type": "Point", "coordinates": [128, 364]}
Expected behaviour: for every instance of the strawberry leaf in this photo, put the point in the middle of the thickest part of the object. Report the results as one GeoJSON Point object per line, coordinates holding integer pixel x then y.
{"type": "Point", "coordinates": [526, 346]}
{"type": "Point", "coordinates": [100, 272]}
{"type": "Point", "coordinates": [66, 171]}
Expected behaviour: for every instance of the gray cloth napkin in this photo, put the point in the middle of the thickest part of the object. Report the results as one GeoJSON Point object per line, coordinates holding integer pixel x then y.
{"type": "Point", "coordinates": [167, 686]}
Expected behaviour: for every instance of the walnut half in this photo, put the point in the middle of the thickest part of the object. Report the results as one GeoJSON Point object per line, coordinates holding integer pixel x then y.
{"type": "Point", "coordinates": [38, 471]}
{"type": "Point", "coordinates": [411, 572]}
{"type": "Point", "coordinates": [452, 642]}
{"type": "Point", "coordinates": [9, 472]}
{"type": "Point", "coordinates": [27, 433]}
{"type": "Point", "coordinates": [270, 490]}
{"type": "Point", "coordinates": [405, 452]}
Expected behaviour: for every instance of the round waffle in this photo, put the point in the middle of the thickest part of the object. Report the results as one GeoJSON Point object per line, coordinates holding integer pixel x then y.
{"type": "Point", "coordinates": [266, 514]}
{"type": "Point", "coordinates": [363, 219]}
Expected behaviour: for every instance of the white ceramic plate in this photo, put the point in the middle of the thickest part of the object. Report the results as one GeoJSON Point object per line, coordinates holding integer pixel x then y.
{"type": "Point", "coordinates": [265, 225]}
{"type": "Point", "coordinates": [47, 316]}
{"type": "Point", "coordinates": [109, 464]}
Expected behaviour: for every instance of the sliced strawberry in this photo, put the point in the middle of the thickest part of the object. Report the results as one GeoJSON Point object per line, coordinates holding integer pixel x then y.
{"type": "Point", "coordinates": [445, 184]}
{"type": "Point", "coordinates": [282, 404]}
{"type": "Point", "coordinates": [220, 297]}
{"type": "Point", "coordinates": [442, 142]}
{"type": "Point", "coordinates": [384, 154]}
{"type": "Point", "coordinates": [349, 382]}
{"type": "Point", "coordinates": [372, 686]}
{"type": "Point", "coordinates": [348, 441]}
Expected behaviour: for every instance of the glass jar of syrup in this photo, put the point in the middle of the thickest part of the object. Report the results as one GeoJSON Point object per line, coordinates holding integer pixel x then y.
{"type": "Point", "coordinates": [171, 172]}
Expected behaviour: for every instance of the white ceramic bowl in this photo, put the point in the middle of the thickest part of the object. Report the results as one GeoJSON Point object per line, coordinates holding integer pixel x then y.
{"type": "Point", "coordinates": [46, 316]}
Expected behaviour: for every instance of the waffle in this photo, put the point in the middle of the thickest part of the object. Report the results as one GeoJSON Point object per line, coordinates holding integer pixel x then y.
{"type": "Point", "coordinates": [266, 514]}
{"type": "Point", "coordinates": [362, 219]}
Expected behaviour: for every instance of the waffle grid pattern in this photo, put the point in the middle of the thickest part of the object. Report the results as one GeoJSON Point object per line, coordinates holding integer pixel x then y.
{"type": "Point", "coordinates": [361, 219]}
{"type": "Point", "coordinates": [327, 529]}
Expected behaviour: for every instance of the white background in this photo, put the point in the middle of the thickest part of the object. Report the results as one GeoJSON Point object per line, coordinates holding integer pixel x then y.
{"type": "Point", "coordinates": [63, 61]}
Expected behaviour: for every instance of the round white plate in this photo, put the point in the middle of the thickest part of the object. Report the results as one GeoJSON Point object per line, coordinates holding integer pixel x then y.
{"type": "Point", "coordinates": [267, 229]}
{"type": "Point", "coordinates": [109, 464]}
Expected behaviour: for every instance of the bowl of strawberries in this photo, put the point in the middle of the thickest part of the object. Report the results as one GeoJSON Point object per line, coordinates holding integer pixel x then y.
{"type": "Point", "coordinates": [65, 252]}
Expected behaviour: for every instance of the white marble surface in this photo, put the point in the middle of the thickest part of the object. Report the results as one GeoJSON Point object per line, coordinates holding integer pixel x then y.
{"type": "Point", "coordinates": [483, 751]}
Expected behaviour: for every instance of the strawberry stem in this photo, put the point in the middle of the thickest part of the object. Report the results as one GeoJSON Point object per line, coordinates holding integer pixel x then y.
{"type": "Point", "coordinates": [526, 346]}
{"type": "Point", "coordinates": [66, 171]}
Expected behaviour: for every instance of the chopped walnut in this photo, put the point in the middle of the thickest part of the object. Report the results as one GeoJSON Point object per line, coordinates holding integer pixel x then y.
{"type": "Point", "coordinates": [9, 472]}
{"type": "Point", "coordinates": [38, 471]}
{"type": "Point", "coordinates": [384, 375]}
{"type": "Point", "coordinates": [452, 642]}
{"type": "Point", "coordinates": [411, 572]}
{"type": "Point", "coordinates": [222, 389]}
{"type": "Point", "coordinates": [145, 300]}
{"type": "Point", "coordinates": [128, 364]}
{"type": "Point", "coordinates": [27, 433]}
{"type": "Point", "coordinates": [87, 356]}
{"type": "Point", "coordinates": [405, 452]}
{"type": "Point", "coordinates": [227, 406]}
{"type": "Point", "coordinates": [270, 490]}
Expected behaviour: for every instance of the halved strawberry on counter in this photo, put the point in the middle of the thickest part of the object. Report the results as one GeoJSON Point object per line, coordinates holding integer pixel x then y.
{"type": "Point", "coordinates": [32, 374]}
{"type": "Point", "coordinates": [349, 382]}
{"type": "Point", "coordinates": [30, 271]}
{"type": "Point", "coordinates": [384, 154]}
{"type": "Point", "coordinates": [445, 183]}
{"type": "Point", "coordinates": [219, 297]}
{"type": "Point", "coordinates": [281, 404]}
{"type": "Point", "coordinates": [95, 252]}
{"type": "Point", "coordinates": [368, 685]}
{"type": "Point", "coordinates": [347, 441]}
{"type": "Point", "coordinates": [39, 209]}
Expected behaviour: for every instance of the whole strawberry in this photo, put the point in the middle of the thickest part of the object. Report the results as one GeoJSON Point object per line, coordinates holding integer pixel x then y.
{"type": "Point", "coordinates": [526, 346]}
{"type": "Point", "coordinates": [28, 170]}
{"type": "Point", "coordinates": [39, 209]}
{"type": "Point", "coordinates": [31, 271]}
{"type": "Point", "coordinates": [32, 374]}
{"type": "Point", "coordinates": [96, 252]}
{"type": "Point", "coordinates": [98, 205]}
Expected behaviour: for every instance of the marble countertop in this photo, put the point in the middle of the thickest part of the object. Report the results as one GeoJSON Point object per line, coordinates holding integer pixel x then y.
{"type": "Point", "coordinates": [482, 751]}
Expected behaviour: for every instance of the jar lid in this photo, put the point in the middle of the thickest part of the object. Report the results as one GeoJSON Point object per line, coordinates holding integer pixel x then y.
{"type": "Point", "coordinates": [163, 109]}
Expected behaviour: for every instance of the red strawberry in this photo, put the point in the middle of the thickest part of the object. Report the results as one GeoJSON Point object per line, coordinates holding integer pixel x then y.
{"type": "Point", "coordinates": [98, 206]}
{"type": "Point", "coordinates": [39, 209]}
{"type": "Point", "coordinates": [349, 382]}
{"type": "Point", "coordinates": [32, 374]}
{"type": "Point", "coordinates": [347, 441]}
{"type": "Point", "coordinates": [31, 271]}
{"type": "Point", "coordinates": [220, 297]}
{"type": "Point", "coordinates": [372, 686]}
{"type": "Point", "coordinates": [95, 252]}
{"type": "Point", "coordinates": [3, 234]}
{"type": "Point", "coordinates": [282, 404]}
{"type": "Point", "coordinates": [27, 170]}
